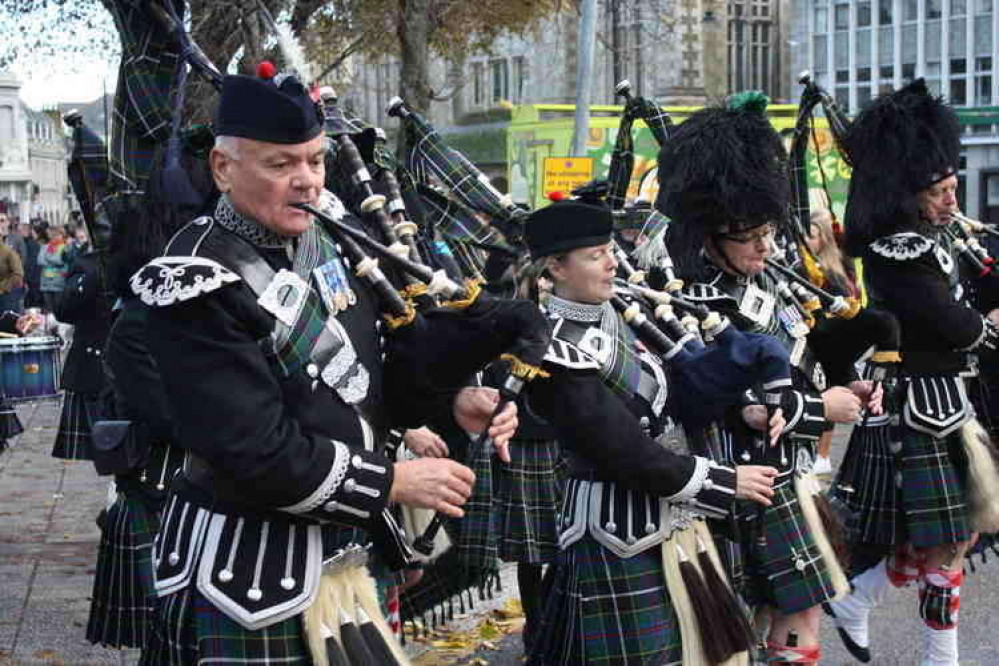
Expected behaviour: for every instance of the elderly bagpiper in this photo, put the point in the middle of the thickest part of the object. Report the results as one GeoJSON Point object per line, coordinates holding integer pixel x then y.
{"type": "Point", "coordinates": [723, 183]}
{"type": "Point", "coordinates": [270, 354]}
{"type": "Point", "coordinates": [942, 490]}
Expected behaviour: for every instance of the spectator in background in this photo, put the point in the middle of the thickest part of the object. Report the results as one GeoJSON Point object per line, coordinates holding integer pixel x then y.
{"type": "Point", "coordinates": [13, 295]}
{"type": "Point", "coordinates": [32, 270]}
{"type": "Point", "coordinates": [79, 244]}
{"type": "Point", "coordinates": [839, 280]}
{"type": "Point", "coordinates": [55, 266]}
{"type": "Point", "coordinates": [11, 279]}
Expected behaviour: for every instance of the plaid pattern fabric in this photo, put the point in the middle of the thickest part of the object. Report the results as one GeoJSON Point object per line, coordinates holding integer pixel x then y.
{"type": "Point", "coordinates": [429, 154]}
{"type": "Point", "coordinates": [933, 495]}
{"type": "Point", "coordinates": [622, 162]}
{"type": "Point", "coordinates": [603, 609]}
{"type": "Point", "coordinates": [79, 411]}
{"type": "Point", "coordinates": [10, 424]}
{"type": "Point", "coordinates": [528, 497]}
{"type": "Point", "coordinates": [655, 117]}
{"type": "Point", "coordinates": [867, 485]}
{"type": "Point", "coordinates": [88, 170]}
{"type": "Point", "coordinates": [798, 159]}
{"type": "Point", "coordinates": [623, 370]}
{"type": "Point", "coordinates": [190, 630]}
{"type": "Point", "coordinates": [940, 598]}
{"type": "Point", "coordinates": [455, 221]}
{"type": "Point", "coordinates": [783, 564]}
{"type": "Point", "coordinates": [124, 593]}
{"type": "Point", "coordinates": [477, 543]}
{"type": "Point", "coordinates": [142, 109]}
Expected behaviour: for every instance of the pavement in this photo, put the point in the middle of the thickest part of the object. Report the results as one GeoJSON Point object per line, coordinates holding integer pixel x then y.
{"type": "Point", "coordinates": [48, 548]}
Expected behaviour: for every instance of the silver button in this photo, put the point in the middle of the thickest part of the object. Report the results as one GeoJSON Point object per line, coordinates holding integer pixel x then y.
{"type": "Point", "coordinates": [799, 564]}
{"type": "Point", "coordinates": [330, 507]}
{"type": "Point", "coordinates": [174, 558]}
{"type": "Point", "coordinates": [650, 528]}
{"type": "Point", "coordinates": [895, 447]}
{"type": "Point", "coordinates": [225, 575]}
{"type": "Point", "coordinates": [611, 527]}
{"type": "Point", "coordinates": [898, 479]}
{"type": "Point", "coordinates": [254, 594]}
{"type": "Point", "coordinates": [708, 484]}
{"type": "Point", "coordinates": [357, 461]}
{"type": "Point", "coordinates": [288, 583]}
{"type": "Point", "coordinates": [745, 456]}
{"type": "Point", "coordinates": [349, 485]}
{"type": "Point", "coordinates": [312, 369]}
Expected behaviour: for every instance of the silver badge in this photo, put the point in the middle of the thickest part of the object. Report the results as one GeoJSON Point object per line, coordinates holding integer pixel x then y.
{"type": "Point", "coordinates": [756, 305]}
{"type": "Point", "coordinates": [285, 296]}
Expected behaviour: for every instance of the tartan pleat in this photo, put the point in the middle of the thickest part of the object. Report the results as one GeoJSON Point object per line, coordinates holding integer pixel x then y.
{"type": "Point", "coordinates": [933, 493]}
{"type": "Point", "coordinates": [189, 630]}
{"type": "Point", "coordinates": [528, 496]}
{"type": "Point", "coordinates": [73, 441]}
{"type": "Point", "coordinates": [783, 565]}
{"type": "Point", "coordinates": [604, 609]}
{"type": "Point", "coordinates": [124, 593]}
{"type": "Point", "coordinates": [874, 502]}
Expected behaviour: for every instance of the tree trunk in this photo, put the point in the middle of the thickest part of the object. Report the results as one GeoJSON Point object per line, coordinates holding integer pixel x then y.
{"type": "Point", "coordinates": [414, 41]}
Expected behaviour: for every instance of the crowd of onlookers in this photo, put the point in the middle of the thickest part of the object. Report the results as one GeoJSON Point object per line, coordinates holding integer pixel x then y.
{"type": "Point", "coordinates": [35, 258]}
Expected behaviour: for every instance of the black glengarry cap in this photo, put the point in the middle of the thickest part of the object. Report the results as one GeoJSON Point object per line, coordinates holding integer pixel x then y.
{"type": "Point", "coordinates": [567, 225]}
{"type": "Point", "coordinates": [277, 110]}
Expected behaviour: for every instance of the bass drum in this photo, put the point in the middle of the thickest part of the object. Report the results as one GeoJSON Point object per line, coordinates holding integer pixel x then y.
{"type": "Point", "coordinates": [30, 367]}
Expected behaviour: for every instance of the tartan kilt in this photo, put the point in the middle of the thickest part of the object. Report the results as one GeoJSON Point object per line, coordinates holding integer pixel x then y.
{"type": "Point", "coordinates": [124, 593]}
{"type": "Point", "coordinates": [783, 565]}
{"type": "Point", "coordinates": [603, 609]}
{"type": "Point", "coordinates": [874, 502]}
{"type": "Point", "coordinates": [933, 498]}
{"type": "Point", "coordinates": [189, 630]}
{"type": "Point", "coordinates": [528, 496]}
{"type": "Point", "coordinates": [10, 424]}
{"type": "Point", "coordinates": [79, 411]}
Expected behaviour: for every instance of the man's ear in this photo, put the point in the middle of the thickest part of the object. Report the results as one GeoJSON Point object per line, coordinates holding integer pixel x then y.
{"type": "Point", "coordinates": [221, 165]}
{"type": "Point", "coordinates": [555, 268]}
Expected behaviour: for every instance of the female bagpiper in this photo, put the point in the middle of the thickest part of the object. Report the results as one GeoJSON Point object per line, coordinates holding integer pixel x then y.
{"type": "Point", "coordinates": [724, 185]}
{"type": "Point", "coordinates": [632, 528]}
{"type": "Point", "coordinates": [931, 479]}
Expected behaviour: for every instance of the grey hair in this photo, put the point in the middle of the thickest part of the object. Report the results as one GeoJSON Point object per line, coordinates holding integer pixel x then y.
{"type": "Point", "coordinates": [230, 145]}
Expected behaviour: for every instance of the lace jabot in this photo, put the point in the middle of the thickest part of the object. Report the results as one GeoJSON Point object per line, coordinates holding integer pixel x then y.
{"type": "Point", "coordinates": [581, 312]}
{"type": "Point", "coordinates": [259, 235]}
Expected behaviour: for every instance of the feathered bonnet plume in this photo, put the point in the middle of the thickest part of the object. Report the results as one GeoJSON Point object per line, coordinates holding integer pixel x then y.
{"type": "Point", "coordinates": [904, 142]}
{"type": "Point", "coordinates": [722, 170]}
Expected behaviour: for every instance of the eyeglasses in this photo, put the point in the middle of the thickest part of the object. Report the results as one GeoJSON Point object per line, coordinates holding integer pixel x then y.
{"type": "Point", "coordinates": [763, 234]}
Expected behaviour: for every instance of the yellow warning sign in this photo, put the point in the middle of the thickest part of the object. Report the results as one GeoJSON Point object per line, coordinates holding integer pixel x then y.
{"type": "Point", "coordinates": [562, 174]}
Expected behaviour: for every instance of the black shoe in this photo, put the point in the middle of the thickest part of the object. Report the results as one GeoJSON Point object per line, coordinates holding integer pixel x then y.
{"type": "Point", "coordinates": [861, 654]}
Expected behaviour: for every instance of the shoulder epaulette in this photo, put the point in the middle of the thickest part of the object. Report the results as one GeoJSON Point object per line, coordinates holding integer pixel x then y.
{"type": "Point", "coordinates": [904, 246]}
{"type": "Point", "coordinates": [577, 347]}
{"type": "Point", "coordinates": [180, 274]}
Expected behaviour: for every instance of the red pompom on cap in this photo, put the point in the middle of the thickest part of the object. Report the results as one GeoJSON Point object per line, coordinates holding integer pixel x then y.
{"type": "Point", "coordinates": [266, 70]}
{"type": "Point", "coordinates": [557, 196]}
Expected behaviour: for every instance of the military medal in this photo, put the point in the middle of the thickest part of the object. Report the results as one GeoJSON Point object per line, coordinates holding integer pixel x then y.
{"type": "Point", "coordinates": [334, 287]}
{"type": "Point", "coordinates": [792, 321]}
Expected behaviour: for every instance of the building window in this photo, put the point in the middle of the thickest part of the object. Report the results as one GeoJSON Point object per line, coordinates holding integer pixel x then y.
{"type": "Point", "coordinates": [958, 66]}
{"type": "Point", "coordinates": [863, 96]}
{"type": "Point", "coordinates": [958, 91]}
{"type": "Point", "coordinates": [887, 71]}
{"type": "Point", "coordinates": [934, 9]}
{"type": "Point", "coordinates": [983, 6]}
{"type": "Point", "coordinates": [842, 14]}
{"type": "Point", "coordinates": [933, 69]}
{"type": "Point", "coordinates": [478, 85]}
{"type": "Point", "coordinates": [863, 74]}
{"type": "Point", "coordinates": [820, 56]}
{"type": "Point", "coordinates": [958, 7]}
{"type": "Point", "coordinates": [884, 11]}
{"type": "Point", "coordinates": [842, 75]}
{"type": "Point", "coordinates": [908, 70]}
{"type": "Point", "coordinates": [751, 45]}
{"type": "Point", "coordinates": [911, 9]}
{"type": "Point", "coordinates": [983, 35]}
{"type": "Point", "coordinates": [500, 76]}
{"type": "Point", "coordinates": [519, 78]}
{"type": "Point", "coordinates": [843, 98]}
{"type": "Point", "coordinates": [863, 14]}
{"type": "Point", "coordinates": [821, 19]}
{"type": "Point", "coordinates": [983, 90]}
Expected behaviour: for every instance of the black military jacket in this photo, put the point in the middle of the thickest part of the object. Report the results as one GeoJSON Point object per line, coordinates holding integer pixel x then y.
{"type": "Point", "coordinates": [83, 305]}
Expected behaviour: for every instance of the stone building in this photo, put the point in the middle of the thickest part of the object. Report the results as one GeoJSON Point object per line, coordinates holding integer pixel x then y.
{"type": "Point", "coordinates": [33, 159]}
{"type": "Point", "coordinates": [679, 52]}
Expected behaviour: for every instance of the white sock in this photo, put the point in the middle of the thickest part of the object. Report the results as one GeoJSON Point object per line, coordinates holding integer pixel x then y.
{"type": "Point", "coordinates": [853, 611]}
{"type": "Point", "coordinates": [939, 647]}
